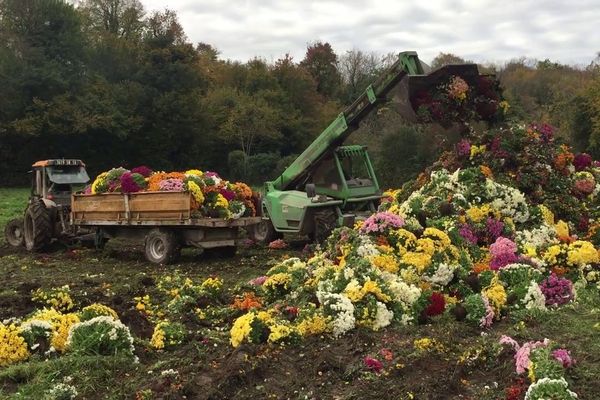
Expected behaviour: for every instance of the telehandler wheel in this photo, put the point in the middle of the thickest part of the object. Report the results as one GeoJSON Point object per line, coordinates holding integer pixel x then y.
{"type": "Point", "coordinates": [13, 232]}
{"type": "Point", "coordinates": [325, 223]}
{"type": "Point", "coordinates": [264, 232]}
{"type": "Point", "coordinates": [37, 227]}
{"type": "Point", "coordinates": [161, 246]}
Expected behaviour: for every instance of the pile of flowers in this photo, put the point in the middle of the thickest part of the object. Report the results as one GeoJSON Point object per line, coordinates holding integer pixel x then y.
{"type": "Point", "coordinates": [468, 242]}
{"type": "Point", "coordinates": [212, 196]}
{"type": "Point", "coordinates": [453, 99]}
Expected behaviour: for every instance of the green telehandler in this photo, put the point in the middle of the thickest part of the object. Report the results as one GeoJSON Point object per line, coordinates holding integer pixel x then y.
{"type": "Point", "coordinates": [331, 185]}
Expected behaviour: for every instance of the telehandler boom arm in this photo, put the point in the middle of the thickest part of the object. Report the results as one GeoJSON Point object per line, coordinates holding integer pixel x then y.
{"type": "Point", "coordinates": [347, 121]}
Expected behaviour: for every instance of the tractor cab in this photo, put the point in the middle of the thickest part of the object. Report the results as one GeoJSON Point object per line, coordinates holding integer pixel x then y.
{"type": "Point", "coordinates": [55, 180]}
{"type": "Point", "coordinates": [346, 174]}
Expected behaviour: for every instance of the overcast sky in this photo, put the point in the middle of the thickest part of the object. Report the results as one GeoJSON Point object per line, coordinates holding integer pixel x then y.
{"type": "Point", "coordinates": [479, 30]}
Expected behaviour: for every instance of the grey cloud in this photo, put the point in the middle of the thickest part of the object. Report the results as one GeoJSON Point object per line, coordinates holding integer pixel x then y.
{"type": "Point", "coordinates": [479, 30]}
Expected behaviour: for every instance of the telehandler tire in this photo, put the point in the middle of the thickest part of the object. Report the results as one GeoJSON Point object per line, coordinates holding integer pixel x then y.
{"type": "Point", "coordinates": [37, 226]}
{"type": "Point", "coordinates": [325, 222]}
{"type": "Point", "coordinates": [264, 232]}
{"type": "Point", "coordinates": [13, 232]}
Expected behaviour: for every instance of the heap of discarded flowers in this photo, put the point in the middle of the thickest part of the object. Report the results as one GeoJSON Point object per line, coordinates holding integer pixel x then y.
{"type": "Point", "coordinates": [482, 241]}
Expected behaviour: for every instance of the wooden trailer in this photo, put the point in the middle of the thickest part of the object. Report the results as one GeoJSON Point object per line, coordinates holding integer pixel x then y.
{"type": "Point", "coordinates": [163, 219]}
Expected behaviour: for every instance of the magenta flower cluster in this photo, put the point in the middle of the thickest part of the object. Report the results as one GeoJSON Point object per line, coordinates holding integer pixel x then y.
{"type": "Point", "coordinates": [504, 252]}
{"type": "Point", "coordinates": [557, 290]}
{"type": "Point", "coordinates": [546, 131]}
{"type": "Point", "coordinates": [171, 185]}
{"type": "Point", "coordinates": [494, 228]}
{"type": "Point", "coordinates": [373, 364]}
{"type": "Point", "coordinates": [582, 161]}
{"type": "Point", "coordinates": [463, 148]}
{"type": "Point", "coordinates": [228, 194]}
{"type": "Point", "coordinates": [142, 170]}
{"type": "Point", "coordinates": [129, 182]}
{"type": "Point", "coordinates": [564, 356]}
{"type": "Point", "coordinates": [466, 232]}
{"type": "Point", "coordinates": [381, 222]}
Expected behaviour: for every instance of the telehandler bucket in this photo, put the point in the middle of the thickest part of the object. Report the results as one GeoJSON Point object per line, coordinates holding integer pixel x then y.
{"type": "Point", "coordinates": [453, 93]}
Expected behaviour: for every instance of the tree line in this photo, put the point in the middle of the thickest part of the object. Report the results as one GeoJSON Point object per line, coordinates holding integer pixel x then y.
{"type": "Point", "coordinates": [116, 85]}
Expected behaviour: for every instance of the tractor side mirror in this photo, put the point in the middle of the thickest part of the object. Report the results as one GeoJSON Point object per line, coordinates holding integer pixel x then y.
{"type": "Point", "coordinates": [311, 190]}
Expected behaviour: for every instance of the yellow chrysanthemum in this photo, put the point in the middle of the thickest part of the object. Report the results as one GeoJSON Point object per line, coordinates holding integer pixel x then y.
{"type": "Point", "coordinates": [241, 329]}
{"type": "Point", "coordinates": [13, 347]}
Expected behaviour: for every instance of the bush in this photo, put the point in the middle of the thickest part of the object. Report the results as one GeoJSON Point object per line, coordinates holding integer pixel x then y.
{"type": "Point", "coordinates": [262, 167]}
{"type": "Point", "coordinates": [237, 163]}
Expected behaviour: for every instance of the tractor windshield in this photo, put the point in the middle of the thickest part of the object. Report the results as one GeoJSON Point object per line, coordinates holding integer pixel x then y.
{"type": "Point", "coordinates": [68, 174]}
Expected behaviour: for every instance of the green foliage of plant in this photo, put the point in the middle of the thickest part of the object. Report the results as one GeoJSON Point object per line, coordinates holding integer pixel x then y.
{"type": "Point", "coordinates": [100, 336]}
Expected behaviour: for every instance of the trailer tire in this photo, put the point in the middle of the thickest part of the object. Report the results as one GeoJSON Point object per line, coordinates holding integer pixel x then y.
{"type": "Point", "coordinates": [325, 222]}
{"type": "Point", "coordinates": [37, 227]}
{"type": "Point", "coordinates": [161, 246]}
{"type": "Point", "coordinates": [264, 232]}
{"type": "Point", "coordinates": [13, 232]}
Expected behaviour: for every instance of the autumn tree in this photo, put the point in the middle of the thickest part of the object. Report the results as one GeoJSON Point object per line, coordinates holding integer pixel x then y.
{"type": "Point", "coordinates": [322, 63]}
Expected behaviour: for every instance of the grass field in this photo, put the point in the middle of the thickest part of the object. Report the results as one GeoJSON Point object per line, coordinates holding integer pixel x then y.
{"type": "Point", "coordinates": [12, 204]}
{"type": "Point", "coordinates": [467, 365]}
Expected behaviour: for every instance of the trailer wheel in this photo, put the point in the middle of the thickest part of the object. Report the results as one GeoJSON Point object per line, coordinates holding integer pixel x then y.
{"type": "Point", "coordinates": [37, 227]}
{"type": "Point", "coordinates": [264, 232]}
{"type": "Point", "coordinates": [161, 246]}
{"type": "Point", "coordinates": [13, 232]}
{"type": "Point", "coordinates": [325, 223]}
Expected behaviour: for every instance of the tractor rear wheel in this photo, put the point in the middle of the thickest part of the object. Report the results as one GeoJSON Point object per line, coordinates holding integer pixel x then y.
{"type": "Point", "coordinates": [37, 227]}
{"type": "Point", "coordinates": [325, 222]}
{"type": "Point", "coordinates": [13, 232]}
{"type": "Point", "coordinates": [161, 246]}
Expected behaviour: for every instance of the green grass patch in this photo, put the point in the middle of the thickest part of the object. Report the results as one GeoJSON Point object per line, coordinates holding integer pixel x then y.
{"type": "Point", "coordinates": [12, 203]}
{"type": "Point", "coordinates": [93, 376]}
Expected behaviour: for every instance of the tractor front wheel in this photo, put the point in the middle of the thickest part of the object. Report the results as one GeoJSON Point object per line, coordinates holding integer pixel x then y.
{"type": "Point", "coordinates": [13, 232]}
{"type": "Point", "coordinates": [37, 227]}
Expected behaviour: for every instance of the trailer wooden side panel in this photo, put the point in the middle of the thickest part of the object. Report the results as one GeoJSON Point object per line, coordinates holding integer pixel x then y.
{"type": "Point", "coordinates": [131, 208]}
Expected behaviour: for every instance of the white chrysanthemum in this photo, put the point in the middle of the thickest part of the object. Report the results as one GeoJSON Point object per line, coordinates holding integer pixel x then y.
{"type": "Point", "coordinates": [404, 293]}
{"type": "Point", "coordinates": [366, 247]}
{"type": "Point", "coordinates": [348, 273]}
{"type": "Point", "coordinates": [240, 213]}
{"type": "Point", "coordinates": [539, 237]}
{"type": "Point", "coordinates": [383, 317]}
{"type": "Point", "coordinates": [343, 310]}
{"type": "Point", "coordinates": [534, 298]}
{"type": "Point", "coordinates": [35, 323]}
{"type": "Point", "coordinates": [559, 386]}
{"type": "Point", "coordinates": [62, 391]}
{"type": "Point", "coordinates": [509, 201]}
{"type": "Point", "coordinates": [443, 274]}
